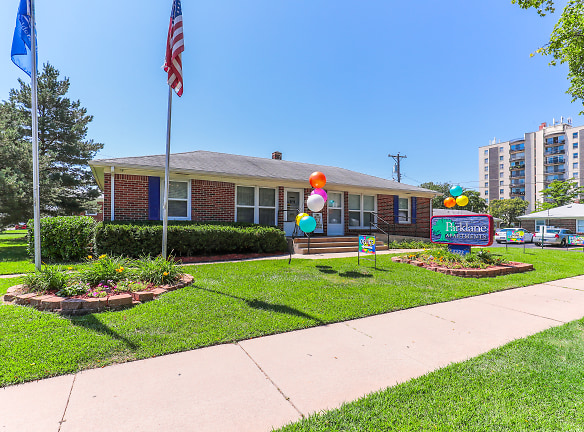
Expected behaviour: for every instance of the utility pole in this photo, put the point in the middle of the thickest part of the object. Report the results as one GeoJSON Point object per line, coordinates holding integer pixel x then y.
{"type": "Point", "coordinates": [396, 158]}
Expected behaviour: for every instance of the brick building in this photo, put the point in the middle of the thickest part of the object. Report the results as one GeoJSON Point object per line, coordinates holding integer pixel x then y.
{"type": "Point", "coordinates": [209, 186]}
{"type": "Point", "coordinates": [570, 216]}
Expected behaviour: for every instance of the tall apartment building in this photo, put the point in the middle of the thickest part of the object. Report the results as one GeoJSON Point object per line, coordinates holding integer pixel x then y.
{"type": "Point", "coordinates": [523, 167]}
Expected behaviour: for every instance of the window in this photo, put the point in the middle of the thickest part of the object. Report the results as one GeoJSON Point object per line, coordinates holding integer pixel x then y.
{"type": "Point", "coordinates": [360, 208]}
{"type": "Point", "coordinates": [575, 175]}
{"type": "Point", "coordinates": [575, 145]}
{"type": "Point", "coordinates": [486, 152]}
{"type": "Point", "coordinates": [255, 205]}
{"type": "Point", "coordinates": [486, 169]}
{"type": "Point", "coordinates": [404, 210]}
{"type": "Point", "coordinates": [486, 176]}
{"type": "Point", "coordinates": [502, 166]}
{"type": "Point", "coordinates": [501, 183]}
{"type": "Point", "coordinates": [501, 158]}
{"type": "Point", "coordinates": [575, 135]}
{"type": "Point", "coordinates": [486, 184]}
{"type": "Point", "coordinates": [501, 175]}
{"type": "Point", "coordinates": [178, 200]}
{"type": "Point", "coordinates": [580, 225]}
{"type": "Point", "coordinates": [487, 200]}
{"type": "Point", "coordinates": [575, 165]}
{"type": "Point", "coordinates": [486, 160]}
{"type": "Point", "coordinates": [575, 156]}
{"type": "Point", "coordinates": [501, 149]}
{"type": "Point", "coordinates": [486, 192]}
{"type": "Point", "coordinates": [501, 191]}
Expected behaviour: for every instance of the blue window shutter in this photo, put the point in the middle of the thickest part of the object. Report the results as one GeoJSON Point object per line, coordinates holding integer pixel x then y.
{"type": "Point", "coordinates": [395, 209]}
{"type": "Point", "coordinates": [153, 198]}
{"type": "Point", "coordinates": [414, 209]}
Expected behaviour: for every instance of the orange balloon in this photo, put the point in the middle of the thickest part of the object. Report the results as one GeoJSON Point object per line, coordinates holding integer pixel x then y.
{"type": "Point", "coordinates": [317, 180]}
{"type": "Point", "coordinates": [449, 202]}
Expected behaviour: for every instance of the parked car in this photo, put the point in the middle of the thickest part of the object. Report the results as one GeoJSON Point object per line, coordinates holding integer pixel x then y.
{"type": "Point", "coordinates": [553, 236]}
{"type": "Point", "coordinates": [20, 225]}
{"type": "Point", "coordinates": [501, 234]}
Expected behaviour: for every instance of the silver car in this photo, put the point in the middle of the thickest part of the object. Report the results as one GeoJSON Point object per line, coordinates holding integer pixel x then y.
{"type": "Point", "coordinates": [553, 236]}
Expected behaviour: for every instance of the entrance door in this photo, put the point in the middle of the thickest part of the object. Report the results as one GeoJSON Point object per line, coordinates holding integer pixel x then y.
{"type": "Point", "coordinates": [335, 220]}
{"type": "Point", "coordinates": [294, 204]}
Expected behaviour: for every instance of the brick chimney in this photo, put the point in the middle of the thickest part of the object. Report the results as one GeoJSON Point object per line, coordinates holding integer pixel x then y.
{"type": "Point", "coordinates": [277, 155]}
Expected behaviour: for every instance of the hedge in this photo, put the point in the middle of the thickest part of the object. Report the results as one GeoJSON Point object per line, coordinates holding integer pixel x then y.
{"type": "Point", "coordinates": [63, 238]}
{"type": "Point", "coordinates": [135, 240]}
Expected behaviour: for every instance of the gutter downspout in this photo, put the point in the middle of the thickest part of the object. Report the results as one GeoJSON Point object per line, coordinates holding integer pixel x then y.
{"type": "Point", "coordinates": [112, 182]}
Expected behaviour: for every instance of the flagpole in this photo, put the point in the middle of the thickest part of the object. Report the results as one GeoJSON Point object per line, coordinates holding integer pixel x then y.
{"type": "Point", "coordinates": [166, 176]}
{"type": "Point", "coordinates": [35, 144]}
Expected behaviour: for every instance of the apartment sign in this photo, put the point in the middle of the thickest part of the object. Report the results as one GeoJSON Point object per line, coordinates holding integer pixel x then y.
{"type": "Point", "coordinates": [476, 230]}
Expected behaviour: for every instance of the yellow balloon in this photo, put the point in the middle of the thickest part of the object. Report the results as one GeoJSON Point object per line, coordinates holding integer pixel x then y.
{"type": "Point", "coordinates": [462, 200]}
{"type": "Point", "coordinates": [300, 216]}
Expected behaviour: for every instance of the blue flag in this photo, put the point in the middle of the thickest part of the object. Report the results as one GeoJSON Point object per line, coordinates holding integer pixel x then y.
{"type": "Point", "coordinates": [21, 53]}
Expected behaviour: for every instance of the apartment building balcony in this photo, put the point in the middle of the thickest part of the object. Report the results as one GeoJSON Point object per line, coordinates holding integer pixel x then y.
{"type": "Point", "coordinates": [517, 174]}
{"type": "Point", "coordinates": [517, 148]}
{"type": "Point", "coordinates": [561, 139]}
{"type": "Point", "coordinates": [517, 166]}
{"type": "Point", "coordinates": [555, 160]}
{"type": "Point", "coordinates": [555, 169]}
{"type": "Point", "coordinates": [517, 157]}
{"type": "Point", "coordinates": [554, 150]}
{"type": "Point", "coordinates": [517, 182]}
{"type": "Point", "coordinates": [517, 192]}
{"type": "Point", "coordinates": [551, 178]}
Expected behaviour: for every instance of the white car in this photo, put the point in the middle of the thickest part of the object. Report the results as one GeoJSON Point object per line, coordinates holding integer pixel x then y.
{"type": "Point", "coordinates": [501, 235]}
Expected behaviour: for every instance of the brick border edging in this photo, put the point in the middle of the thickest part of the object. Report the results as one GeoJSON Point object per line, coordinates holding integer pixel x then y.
{"type": "Point", "coordinates": [492, 271]}
{"type": "Point", "coordinates": [76, 306]}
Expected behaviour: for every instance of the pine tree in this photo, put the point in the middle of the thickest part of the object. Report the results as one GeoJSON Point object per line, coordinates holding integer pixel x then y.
{"type": "Point", "coordinates": [66, 183]}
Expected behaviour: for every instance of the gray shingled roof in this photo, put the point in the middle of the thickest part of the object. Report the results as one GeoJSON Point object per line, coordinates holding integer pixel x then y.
{"type": "Point", "coordinates": [224, 164]}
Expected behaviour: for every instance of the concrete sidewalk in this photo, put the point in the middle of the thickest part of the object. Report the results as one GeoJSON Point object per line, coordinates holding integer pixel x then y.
{"type": "Point", "coordinates": [258, 384]}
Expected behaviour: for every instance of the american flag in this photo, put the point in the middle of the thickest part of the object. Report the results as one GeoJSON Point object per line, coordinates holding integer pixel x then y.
{"type": "Point", "coordinates": [174, 49]}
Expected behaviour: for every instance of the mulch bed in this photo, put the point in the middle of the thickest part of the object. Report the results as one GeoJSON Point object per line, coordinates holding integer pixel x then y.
{"type": "Point", "coordinates": [491, 271]}
{"type": "Point", "coordinates": [79, 305]}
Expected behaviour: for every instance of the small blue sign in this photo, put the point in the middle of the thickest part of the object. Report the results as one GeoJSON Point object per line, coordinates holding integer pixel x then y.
{"type": "Point", "coordinates": [459, 249]}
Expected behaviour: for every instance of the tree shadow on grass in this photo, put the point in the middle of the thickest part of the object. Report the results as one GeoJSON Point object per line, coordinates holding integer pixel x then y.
{"type": "Point", "coordinates": [90, 322]}
{"type": "Point", "coordinates": [262, 305]}
{"type": "Point", "coordinates": [326, 269]}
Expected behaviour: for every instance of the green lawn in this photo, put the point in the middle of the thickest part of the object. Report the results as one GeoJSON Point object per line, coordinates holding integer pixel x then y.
{"type": "Point", "coordinates": [532, 384]}
{"type": "Point", "coordinates": [13, 256]}
{"type": "Point", "coordinates": [235, 301]}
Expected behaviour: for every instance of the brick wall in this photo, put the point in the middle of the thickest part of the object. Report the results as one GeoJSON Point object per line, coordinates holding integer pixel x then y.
{"type": "Point", "coordinates": [212, 201]}
{"type": "Point", "coordinates": [131, 197]}
{"type": "Point", "coordinates": [570, 224]}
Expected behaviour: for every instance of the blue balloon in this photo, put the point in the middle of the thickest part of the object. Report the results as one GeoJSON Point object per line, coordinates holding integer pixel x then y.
{"type": "Point", "coordinates": [455, 191]}
{"type": "Point", "coordinates": [307, 224]}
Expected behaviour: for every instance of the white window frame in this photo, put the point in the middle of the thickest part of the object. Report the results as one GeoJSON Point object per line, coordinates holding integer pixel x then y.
{"type": "Point", "coordinates": [408, 221]}
{"type": "Point", "coordinates": [361, 211]}
{"type": "Point", "coordinates": [189, 193]}
{"type": "Point", "coordinates": [580, 225]}
{"type": "Point", "coordinates": [256, 201]}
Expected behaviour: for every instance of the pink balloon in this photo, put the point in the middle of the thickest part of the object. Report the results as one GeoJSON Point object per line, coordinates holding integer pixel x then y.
{"type": "Point", "coordinates": [320, 192]}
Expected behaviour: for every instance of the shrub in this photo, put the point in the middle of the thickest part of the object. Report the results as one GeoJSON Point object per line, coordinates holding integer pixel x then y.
{"type": "Point", "coordinates": [63, 238]}
{"type": "Point", "coordinates": [136, 240]}
{"type": "Point", "coordinates": [49, 278]}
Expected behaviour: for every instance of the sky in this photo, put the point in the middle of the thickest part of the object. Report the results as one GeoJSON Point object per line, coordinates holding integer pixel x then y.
{"type": "Point", "coordinates": [343, 83]}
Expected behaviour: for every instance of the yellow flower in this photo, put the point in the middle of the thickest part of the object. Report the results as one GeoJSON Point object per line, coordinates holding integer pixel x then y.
{"type": "Point", "coordinates": [165, 274]}
{"type": "Point", "coordinates": [69, 268]}
{"type": "Point", "coordinates": [102, 256]}
{"type": "Point", "coordinates": [119, 270]}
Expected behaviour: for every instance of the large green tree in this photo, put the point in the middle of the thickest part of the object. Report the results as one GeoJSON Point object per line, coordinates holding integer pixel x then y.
{"type": "Point", "coordinates": [66, 183]}
{"type": "Point", "coordinates": [559, 193]}
{"type": "Point", "coordinates": [508, 209]}
{"type": "Point", "coordinates": [475, 202]}
{"type": "Point", "coordinates": [566, 44]}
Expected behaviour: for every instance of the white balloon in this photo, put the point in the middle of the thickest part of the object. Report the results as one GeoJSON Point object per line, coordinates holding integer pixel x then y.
{"type": "Point", "coordinates": [315, 202]}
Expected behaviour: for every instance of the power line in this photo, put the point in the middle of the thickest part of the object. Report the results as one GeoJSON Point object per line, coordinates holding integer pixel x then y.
{"type": "Point", "coordinates": [397, 158]}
